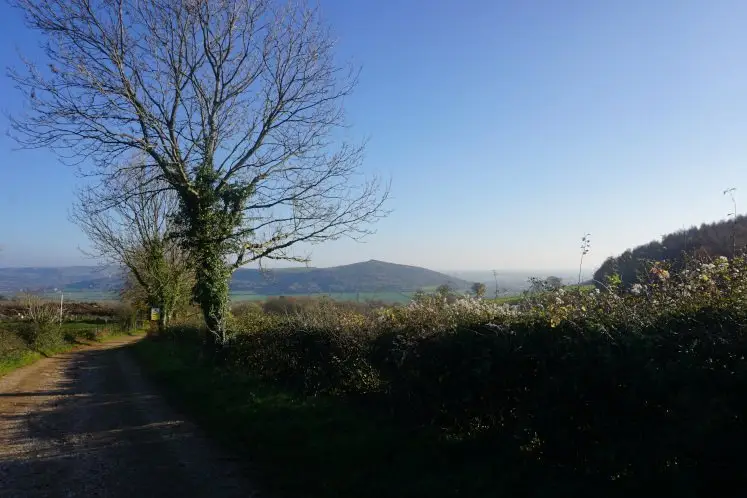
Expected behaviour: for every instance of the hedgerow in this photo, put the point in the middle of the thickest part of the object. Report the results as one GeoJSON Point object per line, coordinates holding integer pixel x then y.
{"type": "Point", "coordinates": [618, 387]}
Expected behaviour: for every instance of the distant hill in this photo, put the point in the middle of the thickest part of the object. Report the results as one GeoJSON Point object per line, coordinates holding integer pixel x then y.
{"type": "Point", "coordinates": [52, 278]}
{"type": "Point", "coordinates": [370, 276]}
{"type": "Point", "coordinates": [367, 277]}
{"type": "Point", "coordinates": [706, 241]}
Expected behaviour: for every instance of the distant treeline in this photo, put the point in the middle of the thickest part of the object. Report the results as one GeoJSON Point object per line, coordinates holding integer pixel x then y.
{"type": "Point", "coordinates": [707, 241]}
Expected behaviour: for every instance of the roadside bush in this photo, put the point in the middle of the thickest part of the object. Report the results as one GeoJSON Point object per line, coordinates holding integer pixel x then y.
{"type": "Point", "coordinates": [663, 402]}
{"type": "Point", "coordinates": [309, 360]}
{"type": "Point", "coordinates": [10, 341]}
{"type": "Point", "coordinates": [41, 326]}
{"type": "Point", "coordinates": [14, 351]}
{"type": "Point", "coordinates": [321, 349]}
{"type": "Point", "coordinates": [95, 334]}
{"type": "Point", "coordinates": [436, 314]}
{"type": "Point", "coordinates": [249, 318]}
{"type": "Point", "coordinates": [293, 305]}
{"type": "Point", "coordinates": [190, 316]}
{"type": "Point", "coordinates": [40, 336]}
{"type": "Point", "coordinates": [41, 312]}
{"type": "Point", "coordinates": [127, 317]}
{"type": "Point", "coordinates": [605, 387]}
{"type": "Point", "coordinates": [630, 388]}
{"type": "Point", "coordinates": [284, 305]}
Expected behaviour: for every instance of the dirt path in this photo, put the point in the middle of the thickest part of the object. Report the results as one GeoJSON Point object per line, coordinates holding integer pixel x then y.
{"type": "Point", "coordinates": [88, 424]}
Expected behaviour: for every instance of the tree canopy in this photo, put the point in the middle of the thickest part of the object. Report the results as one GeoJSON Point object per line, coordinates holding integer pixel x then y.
{"type": "Point", "coordinates": [706, 241]}
{"type": "Point", "coordinates": [237, 106]}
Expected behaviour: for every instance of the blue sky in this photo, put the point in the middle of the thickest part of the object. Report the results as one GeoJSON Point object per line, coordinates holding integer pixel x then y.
{"type": "Point", "coordinates": [508, 129]}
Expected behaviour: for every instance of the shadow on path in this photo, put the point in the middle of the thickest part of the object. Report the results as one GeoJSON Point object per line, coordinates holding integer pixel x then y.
{"type": "Point", "coordinates": [87, 423]}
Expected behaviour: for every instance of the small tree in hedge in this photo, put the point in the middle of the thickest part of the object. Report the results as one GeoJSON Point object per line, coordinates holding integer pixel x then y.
{"type": "Point", "coordinates": [478, 289]}
{"type": "Point", "coordinates": [136, 234]}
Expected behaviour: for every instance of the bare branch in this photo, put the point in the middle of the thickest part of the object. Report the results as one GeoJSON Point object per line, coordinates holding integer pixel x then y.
{"type": "Point", "coordinates": [235, 104]}
{"type": "Point", "coordinates": [134, 234]}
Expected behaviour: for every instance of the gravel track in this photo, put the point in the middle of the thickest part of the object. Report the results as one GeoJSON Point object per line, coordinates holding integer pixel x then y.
{"type": "Point", "coordinates": [87, 423]}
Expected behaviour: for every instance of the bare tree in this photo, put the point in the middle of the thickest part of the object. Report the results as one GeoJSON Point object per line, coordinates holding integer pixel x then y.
{"type": "Point", "coordinates": [39, 310]}
{"type": "Point", "coordinates": [135, 234]}
{"type": "Point", "coordinates": [236, 104]}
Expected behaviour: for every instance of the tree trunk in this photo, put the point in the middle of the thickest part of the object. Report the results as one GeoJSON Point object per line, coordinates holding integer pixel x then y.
{"type": "Point", "coordinates": [163, 319]}
{"type": "Point", "coordinates": [209, 218]}
{"type": "Point", "coordinates": [211, 293]}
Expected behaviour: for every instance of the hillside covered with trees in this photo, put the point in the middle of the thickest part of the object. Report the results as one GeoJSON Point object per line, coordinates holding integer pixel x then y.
{"type": "Point", "coordinates": [704, 242]}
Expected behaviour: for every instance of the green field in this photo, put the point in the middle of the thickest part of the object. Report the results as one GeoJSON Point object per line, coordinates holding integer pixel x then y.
{"type": "Point", "coordinates": [389, 297]}
{"type": "Point", "coordinates": [240, 296]}
{"type": "Point", "coordinates": [83, 296]}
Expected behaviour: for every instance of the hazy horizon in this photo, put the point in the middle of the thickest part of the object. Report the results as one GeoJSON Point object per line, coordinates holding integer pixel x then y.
{"type": "Point", "coordinates": [279, 266]}
{"type": "Point", "coordinates": [505, 141]}
{"type": "Point", "coordinates": [508, 281]}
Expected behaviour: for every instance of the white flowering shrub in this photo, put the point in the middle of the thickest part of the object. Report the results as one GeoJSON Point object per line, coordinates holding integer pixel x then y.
{"type": "Point", "coordinates": [437, 314]}
{"type": "Point", "coordinates": [668, 292]}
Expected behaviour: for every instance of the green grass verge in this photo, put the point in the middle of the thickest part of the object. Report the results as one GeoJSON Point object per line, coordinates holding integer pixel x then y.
{"type": "Point", "coordinates": [75, 331]}
{"type": "Point", "coordinates": [319, 447]}
{"type": "Point", "coordinates": [508, 299]}
{"type": "Point", "coordinates": [17, 359]}
{"type": "Point", "coordinates": [20, 358]}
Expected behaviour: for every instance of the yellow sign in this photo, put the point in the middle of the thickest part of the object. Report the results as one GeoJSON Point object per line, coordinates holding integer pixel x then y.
{"type": "Point", "coordinates": [155, 314]}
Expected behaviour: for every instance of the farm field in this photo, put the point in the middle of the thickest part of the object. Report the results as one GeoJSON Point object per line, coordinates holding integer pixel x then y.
{"type": "Point", "coordinates": [389, 297]}
{"type": "Point", "coordinates": [241, 296]}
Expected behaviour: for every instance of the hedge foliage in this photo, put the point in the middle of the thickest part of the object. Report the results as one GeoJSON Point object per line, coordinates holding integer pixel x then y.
{"type": "Point", "coordinates": [621, 388]}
